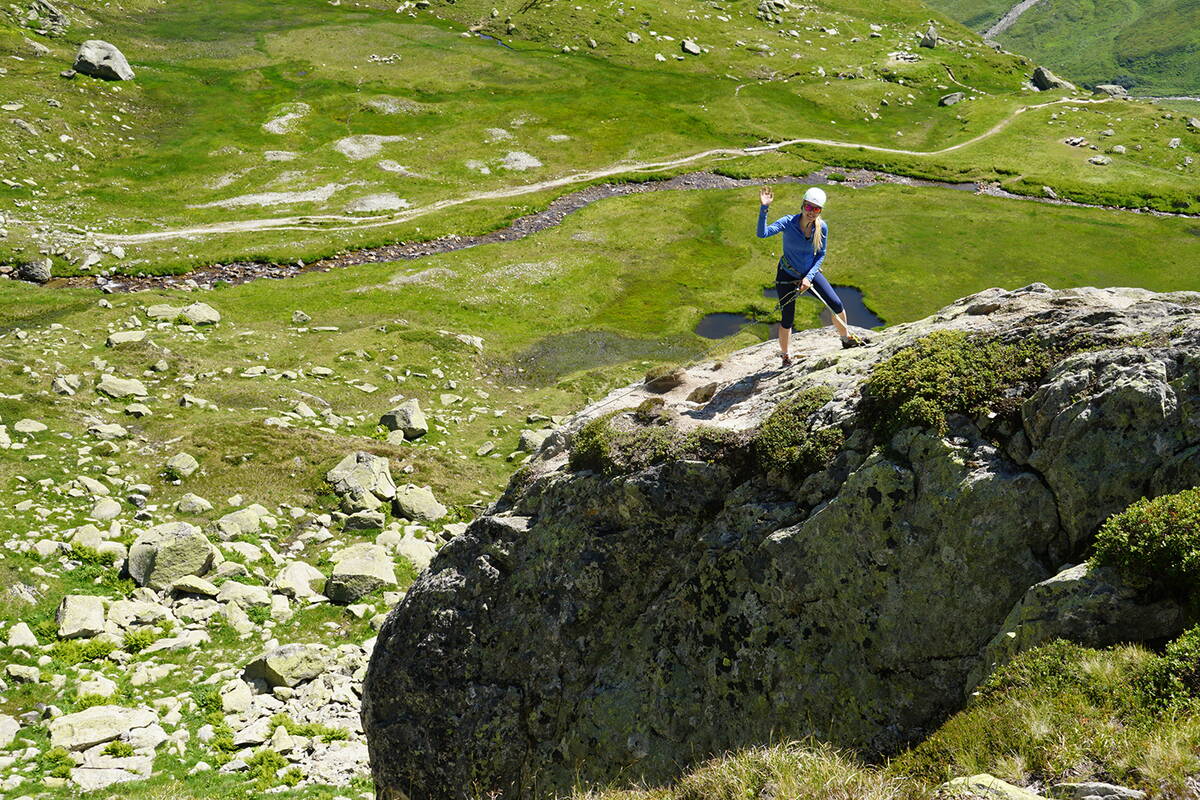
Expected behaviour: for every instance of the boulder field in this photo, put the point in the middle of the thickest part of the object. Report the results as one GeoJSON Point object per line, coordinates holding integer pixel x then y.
{"type": "Point", "coordinates": [621, 623]}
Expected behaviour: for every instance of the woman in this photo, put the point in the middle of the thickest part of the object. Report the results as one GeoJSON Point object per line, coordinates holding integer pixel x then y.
{"type": "Point", "coordinates": [804, 240]}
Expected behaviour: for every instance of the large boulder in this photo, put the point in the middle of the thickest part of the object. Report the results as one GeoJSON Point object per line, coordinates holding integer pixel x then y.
{"type": "Point", "coordinates": [406, 418]}
{"type": "Point", "coordinates": [417, 503]}
{"type": "Point", "coordinates": [1045, 80]}
{"type": "Point", "coordinates": [80, 616]}
{"type": "Point", "coordinates": [289, 665]}
{"type": "Point", "coordinates": [358, 571]}
{"type": "Point", "coordinates": [298, 580]}
{"type": "Point", "coordinates": [694, 607]}
{"type": "Point", "coordinates": [102, 60]}
{"type": "Point", "coordinates": [1094, 606]}
{"type": "Point", "coordinates": [118, 388]}
{"type": "Point", "coordinates": [167, 552]}
{"type": "Point", "coordinates": [97, 725]}
{"type": "Point", "coordinates": [365, 472]}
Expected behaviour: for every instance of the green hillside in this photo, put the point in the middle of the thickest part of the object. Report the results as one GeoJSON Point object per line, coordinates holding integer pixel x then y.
{"type": "Point", "coordinates": [1152, 47]}
{"type": "Point", "coordinates": [289, 124]}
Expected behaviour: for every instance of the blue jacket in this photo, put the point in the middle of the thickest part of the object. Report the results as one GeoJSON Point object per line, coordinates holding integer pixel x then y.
{"type": "Point", "coordinates": [801, 261]}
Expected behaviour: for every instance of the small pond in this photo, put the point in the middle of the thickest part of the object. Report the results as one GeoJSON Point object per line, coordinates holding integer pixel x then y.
{"type": "Point", "coordinates": [724, 323]}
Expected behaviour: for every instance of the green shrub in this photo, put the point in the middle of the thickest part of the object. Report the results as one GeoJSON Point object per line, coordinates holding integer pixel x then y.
{"type": "Point", "coordinates": [258, 614]}
{"type": "Point", "coordinates": [55, 763]}
{"type": "Point", "coordinates": [139, 640]}
{"type": "Point", "coordinates": [264, 766]}
{"type": "Point", "coordinates": [1174, 679]}
{"type": "Point", "coordinates": [951, 372]}
{"type": "Point", "coordinates": [88, 700]}
{"type": "Point", "coordinates": [207, 699]}
{"type": "Point", "coordinates": [309, 729]}
{"type": "Point", "coordinates": [786, 442]}
{"type": "Point", "coordinates": [86, 555]}
{"type": "Point", "coordinates": [1052, 667]}
{"type": "Point", "coordinates": [118, 749]}
{"type": "Point", "coordinates": [1157, 539]}
{"type": "Point", "coordinates": [75, 651]}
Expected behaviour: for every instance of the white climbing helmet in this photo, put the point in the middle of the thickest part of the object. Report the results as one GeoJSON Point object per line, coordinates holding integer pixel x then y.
{"type": "Point", "coordinates": [815, 196]}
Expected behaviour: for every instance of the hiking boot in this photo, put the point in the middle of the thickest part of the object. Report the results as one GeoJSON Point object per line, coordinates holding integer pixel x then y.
{"type": "Point", "coordinates": [787, 360]}
{"type": "Point", "coordinates": [853, 341]}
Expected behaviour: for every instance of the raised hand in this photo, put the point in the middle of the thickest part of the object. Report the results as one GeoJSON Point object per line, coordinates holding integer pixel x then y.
{"type": "Point", "coordinates": [765, 195]}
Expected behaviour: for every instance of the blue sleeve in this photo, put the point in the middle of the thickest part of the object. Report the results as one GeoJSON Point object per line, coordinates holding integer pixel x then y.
{"type": "Point", "coordinates": [765, 230]}
{"type": "Point", "coordinates": [820, 257]}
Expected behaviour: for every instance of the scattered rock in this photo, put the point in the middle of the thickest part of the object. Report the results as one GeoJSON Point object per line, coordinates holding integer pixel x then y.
{"type": "Point", "coordinates": [357, 572]}
{"type": "Point", "coordinates": [97, 725]}
{"type": "Point", "coordinates": [408, 419]}
{"type": "Point", "coordinates": [118, 388]}
{"type": "Point", "coordinates": [182, 464]}
{"type": "Point", "coordinates": [1045, 80]}
{"type": "Point", "coordinates": [80, 616]}
{"type": "Point", "coordinates": [167, 552]}
{"type": "Point", "coordinates": [1112, 90]}
{"type": "Point", "coordinates": [289, 665]}
{"type": "Point", "coordinates": [35, 271]}
{"type": "Point", "coordinates": [985, 786]}
{"type": "Point", "coordinates": [200, 314]}
{"type": "Point", "coordinates": [951, 99]}
{"type": "Point", "coordinates": [1094, 791]}
{"type": "Point", "coordinates": [690, 47]}
{"type": "Point", "coordinates": [102, 60]}
{"type": "Point", "coordinates": [930, 39]}
{"type": "Point", "coordinates": [417, 503]}
{"type": "Point", "coordinates": [364, 471]}
{"type": "Point", "coordinates": [298, 580]}
{"type": "Point", "coordinates": [125, 337]}
{"type": "Point", "coordinates": [1100, 161]}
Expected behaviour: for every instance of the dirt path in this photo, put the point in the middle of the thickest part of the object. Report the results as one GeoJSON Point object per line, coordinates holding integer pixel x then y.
{"type": "Point", "coordinates": [334, 222]}
{"type": "Point", "coordinates": [1009, 18]}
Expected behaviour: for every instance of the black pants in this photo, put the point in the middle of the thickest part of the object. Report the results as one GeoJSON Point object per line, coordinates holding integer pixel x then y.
{"type": "Point", "coordinates": [788, 288]}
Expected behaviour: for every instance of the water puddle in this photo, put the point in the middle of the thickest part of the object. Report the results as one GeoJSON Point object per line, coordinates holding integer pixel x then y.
{"type": "Point", "coordinates": [500, 42]}
{"type": "Point", "coordinates": [724, 323]}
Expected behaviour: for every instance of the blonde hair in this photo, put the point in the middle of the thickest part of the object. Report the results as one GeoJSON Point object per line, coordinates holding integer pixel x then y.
{"type": "Point", "coordinates": [818, 235]}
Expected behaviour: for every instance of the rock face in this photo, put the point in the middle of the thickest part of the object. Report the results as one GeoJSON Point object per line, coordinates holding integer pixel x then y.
{"type": "Point", "coordinates": [691, 608]}
{"type": "Point", "coordinates": [102, 60]}
{"type": "Point", "coordinates": [1044, 80]}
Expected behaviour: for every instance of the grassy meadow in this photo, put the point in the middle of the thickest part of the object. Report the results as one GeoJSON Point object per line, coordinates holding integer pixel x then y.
{"type": "Point", "coordinates": [322, 116]}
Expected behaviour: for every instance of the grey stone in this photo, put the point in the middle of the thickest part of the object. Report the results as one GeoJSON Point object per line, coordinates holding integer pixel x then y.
{"type": "Point", "coordinates": [408, 419]}
{"type": "Point", "coordinates": [193, 504]}
{"type": "Point", "coordinates": [162, 312]}
{"type": "Point", "coordinates": [1093, 606]}
{"type": "Point", "coordinates": [1112, 90]}
{"type": "Point", "coordinates": [951, 99]}
{"type": "Point", "coordinates": [667, 603]}
{"type": "Point", "coordinates": [80, 616]}
{"type": "Point", "coordinates": [243, 594]}
{"type": "Point", "coordinates": [531, 441]}
{"type": "Point", "coordinates": [97, 725]}
{"type": "Point", "coordinates": [102, 60]}
{"type": "Point", "coordinates": [194, 584]}
{"type": "Point", "coordinates": [359, 573]}
{"type": "Point", "coordinates": [985, 786]}
{"type": "Point", "coordinates": [930, 38]}
{"type": "Point", "coordinates": [38, 271]}
{"type": "Point", "coordinates": [167, 552]}
{"type": "Point", "coordinates": [417, 503]}
{"type": "Point", "coordinates": [1045, 80]}
{"type": "Point", "coordinates": [363, 471]}
{"type": "Point", "coordinates": [690, 47]}
{"type": "Point", "coordinates": [8, 730]}
{"type": "Point", "coordinates": [106, 509]}
{"type": "Point", "coordinates": [200, 314]}
{"type": "Point", "coordinates": [182, 464]}
{"type": "Point", "coordinates": [298, 580]}
{"type": "Point", "coordinates": [1095, 789]}
{"type": "Point", "coordinates": [118, 388]}
{"type": "Point", "coordinates": [289, 665]}
{"type": "Point", "coordinates": [20, 635]}
{"type": "Point", "coordinates": [125, 337]}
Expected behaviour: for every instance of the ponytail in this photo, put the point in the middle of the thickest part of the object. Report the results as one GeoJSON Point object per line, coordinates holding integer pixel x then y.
{"type": "Point", "coordinates": [818, 236]}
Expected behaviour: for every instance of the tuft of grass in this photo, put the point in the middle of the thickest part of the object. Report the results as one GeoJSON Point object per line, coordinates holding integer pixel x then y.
{"type": "Point", "coordinates": [137, 641]}
{"type": "Point", "coordinates": [309, 729]}
{"type": "Point", "coordinates": [70, 652]}
{"type": "Point", "coordinates": [1158, 539]}
{"type": "Point", "coordinates": [118, 749]}
{"type": "Point", "coordinates": [786, 441]}
{"type": "Point", "coordinates": [1064, 712]}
